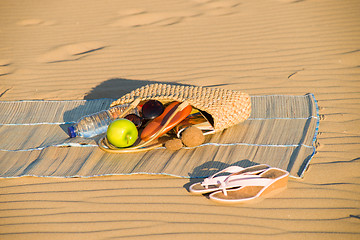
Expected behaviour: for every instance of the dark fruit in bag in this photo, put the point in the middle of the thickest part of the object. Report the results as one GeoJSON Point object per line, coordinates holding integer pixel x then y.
{"type": "Point", "coordinates": [152, 109]}
{"type": "Point", "coordinates": [154, 126]}
{"type": "Point", "coordinates": [135, 119]}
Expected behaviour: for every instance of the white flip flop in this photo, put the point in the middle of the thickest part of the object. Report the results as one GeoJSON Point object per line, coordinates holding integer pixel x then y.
{"type": "Point", "coordinates": [215, 182]}
{"type": "Point", "coordinates": [270, 181]}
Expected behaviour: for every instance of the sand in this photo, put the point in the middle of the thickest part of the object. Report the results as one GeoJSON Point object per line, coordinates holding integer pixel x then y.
{"type": "Point", "coordinates": [64, 50]}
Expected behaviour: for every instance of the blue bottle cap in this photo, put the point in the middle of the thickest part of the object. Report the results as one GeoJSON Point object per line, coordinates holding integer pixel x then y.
{"type": "Point", "coordinates": [71, 131]}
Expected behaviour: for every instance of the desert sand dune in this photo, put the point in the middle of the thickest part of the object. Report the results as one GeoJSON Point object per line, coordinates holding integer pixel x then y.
{"type": "Point", "coordinates": [66, 50]}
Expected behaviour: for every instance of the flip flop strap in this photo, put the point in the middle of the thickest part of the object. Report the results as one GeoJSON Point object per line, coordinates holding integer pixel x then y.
{"type": "Point", "coordinates": [213, 180]}
{"type": "Point", "coordinates": [235, 171]}
{"type": "Point", "coordinates": [240, 175]}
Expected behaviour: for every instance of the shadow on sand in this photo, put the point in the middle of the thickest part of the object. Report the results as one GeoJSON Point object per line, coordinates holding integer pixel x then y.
{"type": "Point", "coordinates": [106, 92]}
{"type": "Point", "coordinates": [210, 168]}
{"type": "Point", "coordinates": [117, 87]}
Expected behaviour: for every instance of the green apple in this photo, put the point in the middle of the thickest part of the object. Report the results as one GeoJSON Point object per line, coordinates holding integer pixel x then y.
{"type": "Point", "coordinates": [122, 133]}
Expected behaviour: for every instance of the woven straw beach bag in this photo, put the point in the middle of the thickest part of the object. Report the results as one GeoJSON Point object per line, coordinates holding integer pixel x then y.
{"type": "Point", "coordinates": [226, 107]}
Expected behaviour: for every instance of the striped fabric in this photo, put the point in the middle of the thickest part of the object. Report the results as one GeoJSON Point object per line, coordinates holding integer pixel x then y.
{"type": "Point", "coordinates": [281, 132]}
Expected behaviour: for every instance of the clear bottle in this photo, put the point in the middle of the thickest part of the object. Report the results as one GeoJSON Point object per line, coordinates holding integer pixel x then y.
{"type": "Point", "coordinates": [97, 123]}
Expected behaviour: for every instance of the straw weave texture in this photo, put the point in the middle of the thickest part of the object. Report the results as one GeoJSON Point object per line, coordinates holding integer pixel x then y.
{"type": "Point", "coordinates": [227, 107]}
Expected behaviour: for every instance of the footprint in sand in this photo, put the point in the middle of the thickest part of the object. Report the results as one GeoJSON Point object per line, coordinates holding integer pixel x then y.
{"type": "Point", "coordinates": [5, 62]}
{"type": "Point", "coordinates": [34, 22]}
{"type": "Point", "coordinates": [289, 1]}
{"type": "Point", "coordinates": [139, 17]}
{"type": "Point", "coordinates": [70, 52]}
{"type": "Point", "coordinates": [218, 8]}
{"type": "Point", "coordinates": [5, 67]}
{"type": "Point", "coordinates": [131, 11]}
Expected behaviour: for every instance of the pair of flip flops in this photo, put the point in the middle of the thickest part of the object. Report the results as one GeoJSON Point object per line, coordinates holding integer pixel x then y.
{"type": "Point", "coordinates": [242, 185]}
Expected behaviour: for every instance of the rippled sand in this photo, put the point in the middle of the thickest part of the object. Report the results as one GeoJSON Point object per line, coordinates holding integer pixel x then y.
{"type": "Point", "coordinates": [95, 49]}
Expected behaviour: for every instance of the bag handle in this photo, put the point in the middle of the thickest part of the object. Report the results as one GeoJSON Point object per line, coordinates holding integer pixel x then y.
{"type": "Point", "coordinates": [107, 147]}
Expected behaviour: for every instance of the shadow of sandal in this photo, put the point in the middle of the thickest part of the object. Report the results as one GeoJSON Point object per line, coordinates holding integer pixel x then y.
{"type": "Point", "coordinates": [210, 168]}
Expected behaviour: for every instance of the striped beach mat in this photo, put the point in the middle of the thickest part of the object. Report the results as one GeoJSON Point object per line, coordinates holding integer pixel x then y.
{"type": "Point", "coordinates": [280, 132]}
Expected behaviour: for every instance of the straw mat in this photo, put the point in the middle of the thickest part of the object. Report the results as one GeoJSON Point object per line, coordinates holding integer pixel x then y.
{"type": "Point", "coordinates": [281, 132]}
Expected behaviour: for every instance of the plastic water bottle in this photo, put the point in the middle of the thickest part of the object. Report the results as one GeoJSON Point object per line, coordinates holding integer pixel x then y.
{"type": "Point", "coordinates": [97, 123]}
